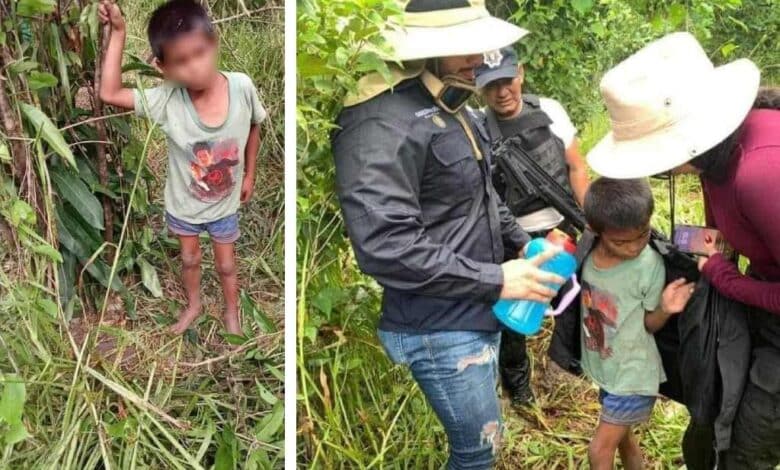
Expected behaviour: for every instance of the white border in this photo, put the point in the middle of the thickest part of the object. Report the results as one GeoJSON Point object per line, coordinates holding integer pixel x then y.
{"type": "Point", "coordinates": [290, 383]}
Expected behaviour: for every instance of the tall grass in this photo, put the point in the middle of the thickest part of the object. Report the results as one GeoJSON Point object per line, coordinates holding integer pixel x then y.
{"type": "Point", "coordinates": [357, 410]}
{"type": "Point", "coordinates": [95, 382]}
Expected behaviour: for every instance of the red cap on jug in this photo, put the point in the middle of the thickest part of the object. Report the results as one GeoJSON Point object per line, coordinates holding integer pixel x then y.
{"type": "Point", "coordinates": [562, 239]}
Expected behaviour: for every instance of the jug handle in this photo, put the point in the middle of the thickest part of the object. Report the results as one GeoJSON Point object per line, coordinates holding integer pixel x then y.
{"type": "Point", "coordinates": [567, 299]}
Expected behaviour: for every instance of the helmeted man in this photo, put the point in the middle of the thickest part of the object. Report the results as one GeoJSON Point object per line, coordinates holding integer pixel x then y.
{"type": "Point", "coordinates": [413, 180]}
{"type": "Point", "coordinates": [548, 136]}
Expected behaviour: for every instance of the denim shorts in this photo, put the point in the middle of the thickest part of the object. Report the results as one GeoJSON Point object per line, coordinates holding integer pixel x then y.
{"type": "Point", "coordinates": [224, 230]}
{"type": "Point", "coordinates": [625, 410]}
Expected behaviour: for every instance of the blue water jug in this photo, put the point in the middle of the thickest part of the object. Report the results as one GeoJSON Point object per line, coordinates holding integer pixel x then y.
{"type": "Point", "coordinates": [525, 316]}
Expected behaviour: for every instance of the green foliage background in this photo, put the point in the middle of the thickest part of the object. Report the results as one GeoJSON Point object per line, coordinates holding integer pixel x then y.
{"type": "Point", "coordinates": [89, 278]}
{"type": "Point", "coordinates": [355, 409]}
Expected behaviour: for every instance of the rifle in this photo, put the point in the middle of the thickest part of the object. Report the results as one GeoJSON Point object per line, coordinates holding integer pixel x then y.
{"type": "Point", "coordinates": [520, 170]}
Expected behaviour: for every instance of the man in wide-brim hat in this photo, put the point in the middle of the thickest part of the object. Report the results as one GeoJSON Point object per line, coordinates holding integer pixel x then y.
{"type": "Point", "coordinates": [414, 185]}
{"type": "Point", "coordinates": [674, 112]}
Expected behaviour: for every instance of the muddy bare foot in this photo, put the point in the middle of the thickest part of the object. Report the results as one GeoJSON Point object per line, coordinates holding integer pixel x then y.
{"type": "Point", "coordinates": [186, 317]}
{"type": "Point", "coordinates": [232, 323]}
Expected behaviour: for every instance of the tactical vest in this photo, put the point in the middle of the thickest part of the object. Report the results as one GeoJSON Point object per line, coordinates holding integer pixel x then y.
{"type": "Point", "coordinates": [538, 140]}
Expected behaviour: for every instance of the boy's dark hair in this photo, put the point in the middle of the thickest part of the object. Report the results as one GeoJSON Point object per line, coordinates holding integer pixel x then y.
{"type": "Point", "coordinates": [716, 162]}
{"type": "Point", "coordinates": [618, 204]}
{"type": "Point", "coordinates": [173, 18]}
{"type": "Point", "coordinates": [768, 98]}
{"type": "Point", "coordinates": [198, 146]}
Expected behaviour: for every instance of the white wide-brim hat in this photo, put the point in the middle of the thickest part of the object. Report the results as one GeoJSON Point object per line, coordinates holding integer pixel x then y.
{"type": "Point", "coordinates": [669, 104]}
{"type": "Point", "coordinates": [446, 28]}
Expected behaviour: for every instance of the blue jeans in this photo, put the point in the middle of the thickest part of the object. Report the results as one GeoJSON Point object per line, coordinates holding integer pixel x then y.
{"type": "Point", "coordinates": [458, 372]}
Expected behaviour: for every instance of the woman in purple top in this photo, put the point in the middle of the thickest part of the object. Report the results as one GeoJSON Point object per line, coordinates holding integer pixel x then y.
{"type": "Point", "coordinates": [674, 112]}
{"type": "Point", "coordinates": [742, 200]}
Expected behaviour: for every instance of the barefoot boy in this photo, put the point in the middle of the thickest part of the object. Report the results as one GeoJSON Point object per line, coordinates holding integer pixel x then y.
{"type": "Point", "coordinates": [211, 120]}
{"type": "Point", "coordinates": [624, 303]}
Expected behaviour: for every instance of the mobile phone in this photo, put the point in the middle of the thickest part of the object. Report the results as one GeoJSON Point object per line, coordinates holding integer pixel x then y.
{"type": "Point", "coordinates": [691, 238]}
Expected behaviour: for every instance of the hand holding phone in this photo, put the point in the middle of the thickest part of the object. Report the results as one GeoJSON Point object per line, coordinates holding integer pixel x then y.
{"type": "Point", "coordinates": [702, 241]}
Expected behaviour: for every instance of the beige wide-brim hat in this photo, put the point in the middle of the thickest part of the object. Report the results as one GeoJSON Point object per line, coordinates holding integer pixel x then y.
{"type": "Point", "coordinates": [669, 104]}
{"type": "Point", "coordinates": [446, 28]}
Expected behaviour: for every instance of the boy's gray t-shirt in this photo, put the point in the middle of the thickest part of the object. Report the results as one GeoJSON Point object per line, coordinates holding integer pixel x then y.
{"type": "Point", "coordinates": [205, 164]}
{"type": "Point", "coordinates": [618, 353]}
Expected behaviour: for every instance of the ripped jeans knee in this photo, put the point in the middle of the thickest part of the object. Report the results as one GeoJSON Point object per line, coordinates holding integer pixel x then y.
{"type": "Point", "coordinates": [458, 373]}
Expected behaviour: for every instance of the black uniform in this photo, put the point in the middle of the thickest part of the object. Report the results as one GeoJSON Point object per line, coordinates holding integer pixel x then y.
{"type": "Point", "coordinates": [421, 212]}
{"type": "Point", "coordinates": [549, 151]}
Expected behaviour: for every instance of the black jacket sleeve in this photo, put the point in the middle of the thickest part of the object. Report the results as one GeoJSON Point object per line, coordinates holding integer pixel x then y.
{"type": "Point", "coordinates": [378, 172]}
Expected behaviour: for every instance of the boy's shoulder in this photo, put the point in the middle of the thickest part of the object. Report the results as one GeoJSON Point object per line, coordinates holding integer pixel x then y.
{"type": "Point", "coordinates": [240, 78]}
{"type": "Point", "coordinates": [650, 256]}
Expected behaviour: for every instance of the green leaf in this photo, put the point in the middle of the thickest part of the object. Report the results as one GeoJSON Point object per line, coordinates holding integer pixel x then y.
{"type": "Point", "coordinates": [67, 276]}
{"type": "Point", "coordinates": [582, 6]}
{"type": "Point", "coordinates": [728, 49]}
{"type": "Point", "coordinates": [12, 399]}
{"type": "Point", "coordinates": [235, 340]}
{"type": "Point", "coordinates": [48, 251]}
{"type": "Point", "coordinates": [23, 66]}
{"type": "Point", "coordinates": [270, 426]}
{"type": "Point", "coordinates": [251, 309]}
{"type": "Point", "coordinates": [118, 429]}
{"type": "Point", "coordinates": [677, 14]}
{"type": "Point", "coordinates": [22, 213]}
{"type": "Point", "coordinates": [39, 80]}
{"type": "Point", "coordinates": [227, 452]}
{"type": "Point", "coordinates": [16, 433]}
{"type": "Point", "coordinates": [79, 240]}
{"type": "Point", "coordinates": [149, 277]}
{"type": "Point", "coordinates": [71, 188]}
{"type": "Point", "coordinates": [62, 65]}
{"type": "Point", "coordinates": [5, 154]}
{"type": "Point", "coordinates": [89, 21]}
{"type": "Point", "coordinates": [35, 7]}
{"type": "Point", "coordinates": [49, 131]}
{"type": "Point", "coordinates": [325, 299]}
{"type": "Point", "coordinates": [137, 63]}
{"type": "Point", "coordinates": [48, 307]}
{"type": "Point", "coordinates": [266, 394]}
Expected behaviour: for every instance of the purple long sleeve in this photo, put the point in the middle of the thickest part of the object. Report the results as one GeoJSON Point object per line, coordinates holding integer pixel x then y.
{"type": "Point", "coordinates": [746, 209]}
{"type": "Point", "coordinates": [724, 275]}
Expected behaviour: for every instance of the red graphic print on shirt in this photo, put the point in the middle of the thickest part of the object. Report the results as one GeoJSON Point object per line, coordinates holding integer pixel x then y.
{"type": "Point", "coordinates": [599, 314]}
{"type": "Point", "coordinates": [212, 169]}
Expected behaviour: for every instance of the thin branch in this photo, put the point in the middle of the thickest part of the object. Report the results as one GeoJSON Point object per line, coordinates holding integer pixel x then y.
{"type": "Point", "coordinates": [100, 126]}
{"type": "Point", "coordinates": [227, 355]}
{"type": "Point", "coordinates": [96, 118]}
{"type": "Point", "coordinates": [248, 13]}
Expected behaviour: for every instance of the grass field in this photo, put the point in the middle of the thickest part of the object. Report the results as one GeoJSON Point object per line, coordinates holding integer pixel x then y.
{"type": "Point", "coordinates": [122, 394]}
{"type": "Point", "coordinates": [357, 410]}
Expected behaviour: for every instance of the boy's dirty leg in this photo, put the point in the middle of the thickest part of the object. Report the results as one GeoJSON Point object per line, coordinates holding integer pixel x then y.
{"type": "Point", "coordinates": [610, 438]}
{"type": "Point", "coordinates": [190, 277]}
{"type": "Point", "coordinates": [225, 262]}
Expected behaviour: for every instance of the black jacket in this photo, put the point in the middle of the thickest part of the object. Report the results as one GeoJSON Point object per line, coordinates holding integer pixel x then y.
{"type": "Point", "coordinates": [421, 212]}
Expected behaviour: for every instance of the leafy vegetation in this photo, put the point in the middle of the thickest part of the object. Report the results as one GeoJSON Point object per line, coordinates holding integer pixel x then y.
{"type": "Point", "coordinates": [89, 278]}
{"type": "Point", "coordinates": [355, 409]}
